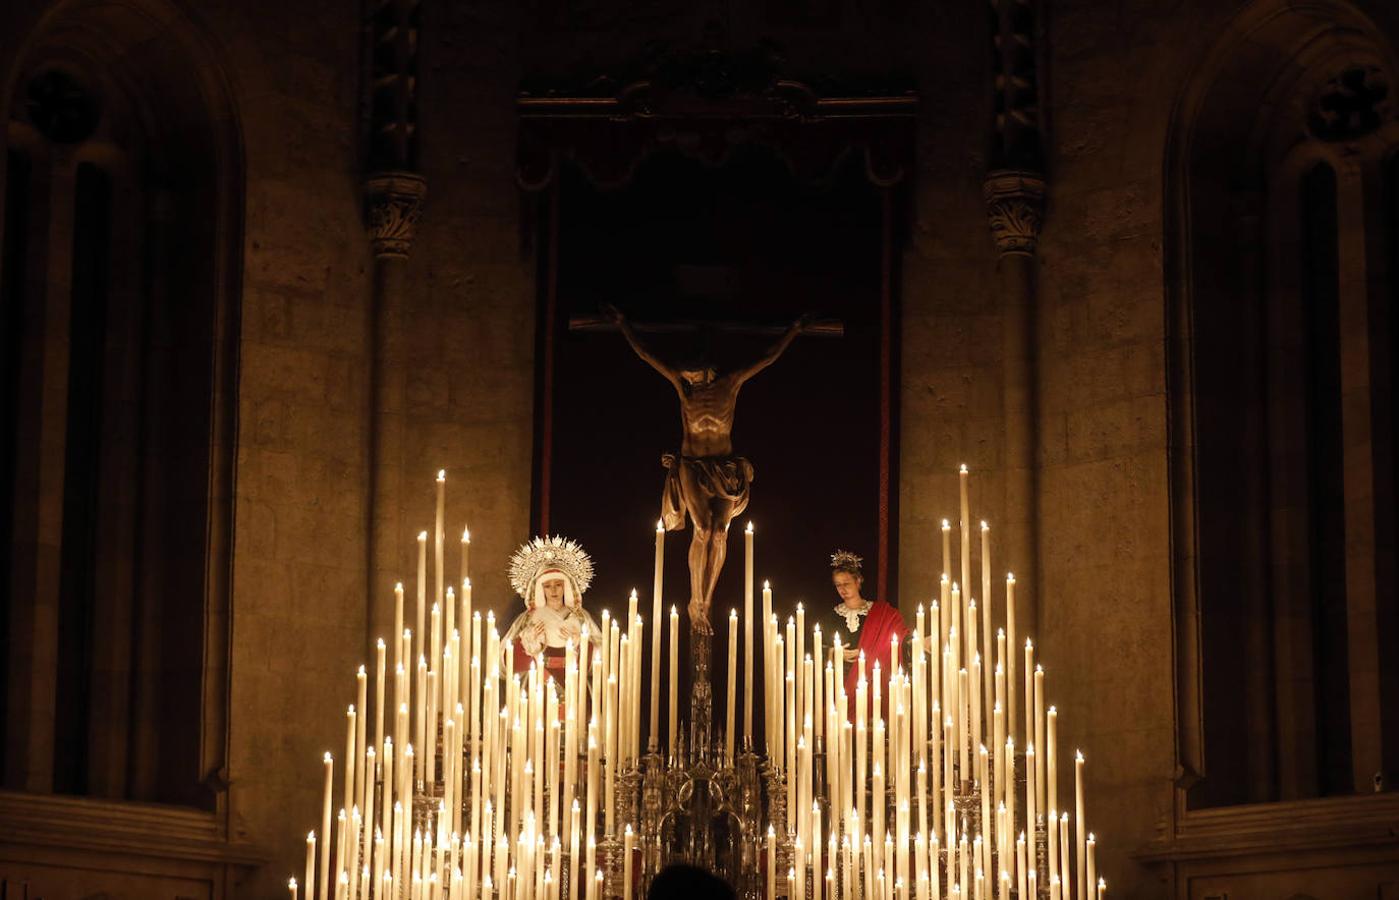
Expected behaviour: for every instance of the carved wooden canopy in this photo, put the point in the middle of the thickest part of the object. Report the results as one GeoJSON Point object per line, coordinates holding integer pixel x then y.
{"type": "Point", "coordinates": [705, 105]}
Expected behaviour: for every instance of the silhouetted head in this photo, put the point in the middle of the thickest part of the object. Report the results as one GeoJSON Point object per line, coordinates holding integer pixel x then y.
{"type": "Point", "coordinates": [684, 882]}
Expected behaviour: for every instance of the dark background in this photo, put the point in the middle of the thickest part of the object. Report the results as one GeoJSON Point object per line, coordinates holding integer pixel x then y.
{"type": "Point", "coordinates": [744, 242]}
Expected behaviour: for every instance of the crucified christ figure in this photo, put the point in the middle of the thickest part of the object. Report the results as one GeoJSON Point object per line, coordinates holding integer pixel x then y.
{"type": "Point", "coordinates": [706, 480]}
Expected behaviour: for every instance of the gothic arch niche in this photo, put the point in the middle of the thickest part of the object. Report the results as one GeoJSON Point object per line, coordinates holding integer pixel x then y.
{"type": "Point", "coordinates": [1280, 279]}
{"type": "Point", "coordinates": [122, 232]}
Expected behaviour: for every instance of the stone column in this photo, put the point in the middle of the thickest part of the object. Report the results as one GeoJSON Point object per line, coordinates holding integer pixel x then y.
{"type": "Point", "coordinates": [394, 201]}
{"type": "Point", "coordinates": [1014, 205]}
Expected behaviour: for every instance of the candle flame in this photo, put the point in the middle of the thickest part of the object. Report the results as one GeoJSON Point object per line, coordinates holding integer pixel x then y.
{"type": "Point", "coordinates": [962, 470]}
{"type": "Point", "coordinates": [466, 535]}
{"type": "Point", "coordinates": [749, 529]}
{"type": "Point", "coordinates": [946, 525]}
{"type": "Point", "coordinates": [660, 526]}
{"type": "Point", "coordinates": [441, 474]}
{"type": "Point", "coordinates": [422, 536]}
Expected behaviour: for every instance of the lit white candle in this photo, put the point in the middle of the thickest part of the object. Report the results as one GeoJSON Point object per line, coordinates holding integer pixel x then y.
{"type": "Point", "coordinates": [674, 711]}
{"type": "Point", "coordinates": [1051, 759]}
{"type": "Point", "coordinates": [465, 554]}
{"type": "Point", "coordinates": [380, 662]}
{"type": "Point", "coordinates": [946, 548]}
{"type": "Point", "coordinates": [772, 863]}
{"type": "Point", "coordinates": [310, 863]}
{"type": "Point", "coordinates": [397, 624]}
{"type": "Point", "coordinates": [654, 736]}
{"type": "Point", "coordinates": [800, 655]}
{"type": "Point", "coordinates": [1091, 866]}
{"type": "Point", "coordinates": [987, 650]}
{"type": "Point", "coordinates": [420, 614]}
{"type": "Point", "coordinates": [748, 634]}
{"type": "Point", "coordinates": [1065, 877]}
{"type": "Point", "coordinates": [966, 528]}
{"type": "Point", "coordinates": [438, 536]}
{"type": "Point", "coordinates": [628, 847]}
{"type": "Point", "coordinates": [1039, 738]}
{"type": "Point", "coordinates": [1079, 831]}
{"type": "Point", "coordinates": [348, 797]}
{"type": "Point", "coordinates": [771, 679]}
{"type": "Point", "coordinates": [733, 687]}
{"type": "Point", "coordinates": [1031, 794]}
{"type": "Point", "coordinates": [1029, 693]}
{"type": "Point", "coordinates": [609, 793]}
{"type": "Point", "coordinates": [1012, 720]}
{"type": "Point", "coordinates": [323, 881]}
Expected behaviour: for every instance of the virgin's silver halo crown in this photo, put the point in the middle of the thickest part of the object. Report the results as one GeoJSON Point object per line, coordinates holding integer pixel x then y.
{"type": "Point", "coordinates": [844, 559]}
{"type": "Point", "coordinates": [554, 552]}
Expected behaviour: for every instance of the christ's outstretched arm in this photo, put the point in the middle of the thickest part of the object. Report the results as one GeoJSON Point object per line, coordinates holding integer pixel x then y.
{"type": "Point", "coordinates": [639, 348]}
{"type": "Point", "coordinates": [774, 352]}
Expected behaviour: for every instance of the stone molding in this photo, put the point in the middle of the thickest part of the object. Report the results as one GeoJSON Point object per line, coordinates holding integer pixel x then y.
{"type": "Point", "coordinates": [1287, 828]}
{"type": "Point", "coordinates": [394, 201]}
{"type": "Point", "coordinates": [1015, 210]}
{"type": "Point", "coordinates": [85, 825]}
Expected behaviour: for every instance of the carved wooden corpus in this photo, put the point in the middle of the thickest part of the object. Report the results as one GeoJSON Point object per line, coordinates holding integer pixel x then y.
{"type": "Point", "coordinates": [395, 203]}
{"type": "Point", "coordinates": [1014, 208]}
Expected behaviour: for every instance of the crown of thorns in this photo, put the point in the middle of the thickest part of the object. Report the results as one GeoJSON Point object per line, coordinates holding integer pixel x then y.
{"type": "Point", "coordinates": [844, 560]}
{"type": "Point", "coordinates": [544, 553]}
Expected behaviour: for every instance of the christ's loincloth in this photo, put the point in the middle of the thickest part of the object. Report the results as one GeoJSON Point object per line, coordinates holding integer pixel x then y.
{"type": "Point", "coordinates": [718, 478]}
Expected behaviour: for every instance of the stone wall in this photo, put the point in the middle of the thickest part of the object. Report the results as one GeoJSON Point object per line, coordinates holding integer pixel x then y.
{"type": "Point", "coordinates": [300, 616]}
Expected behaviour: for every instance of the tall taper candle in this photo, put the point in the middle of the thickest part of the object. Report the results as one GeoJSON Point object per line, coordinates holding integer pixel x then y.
{"type": "Point", "coordinates": [1042, 795]}
{"type": "Point", "coordinates": [988, 655]}
{"type": "Point", "coordinates": [397, 623]}
{"type": "Point", "coordinates": [1051, 759]}
{"type": "Point", "coordinates": [465, 555]}
{"type": "Point", "coordinates": [946, 548]}
{"type": "Point", "coordinates": [1012, 720]}
{"type": "Point", "coordinates": [673, 713]}
{"type": "Point", "coordinates": [323, 881]}
{"type": "Point", "coordinates": [654, 737]}
{"type": "Point", "coordinates": [310, 864]}
{"type": "Point", "coordinates": [1090, 872]}
{"type": "Point", "coordinates": [1079, 833]}
{"type": "Point", "coordinates": [420, 613]}
{"type": "Point", "coordinates": [437, 542]}
{"type": "Point", "coordinates": [748, 634]}
{"type": "Point", "coordinates": [733, 687]}
{"type": "Point", "coordinates": [966, 533]}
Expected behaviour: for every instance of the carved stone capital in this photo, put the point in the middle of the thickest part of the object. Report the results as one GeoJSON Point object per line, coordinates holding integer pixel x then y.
{"type": "Point", "coordinates": [1015, 210]}
{"type": "Point", "coordinates": [395, 202]}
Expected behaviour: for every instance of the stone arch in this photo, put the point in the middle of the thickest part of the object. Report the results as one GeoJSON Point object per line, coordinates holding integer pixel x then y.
{"type": "Point", "coordinates": [165, 153]}
{"type": "Point", "coordinates": [1271, 100]}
